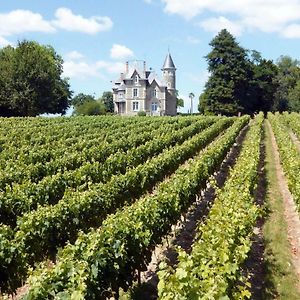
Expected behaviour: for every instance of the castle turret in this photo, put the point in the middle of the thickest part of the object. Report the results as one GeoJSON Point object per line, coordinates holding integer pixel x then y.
{"type": "Point", "coordinates": [169, 74]}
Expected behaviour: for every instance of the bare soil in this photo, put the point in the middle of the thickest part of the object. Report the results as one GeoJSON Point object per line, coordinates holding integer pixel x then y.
{"type": "Point", "coordinates": [290, 209]}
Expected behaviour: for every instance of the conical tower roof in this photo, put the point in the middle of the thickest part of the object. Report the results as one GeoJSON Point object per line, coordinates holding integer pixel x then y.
{"type": "Point", "coordinates": [168, 64]}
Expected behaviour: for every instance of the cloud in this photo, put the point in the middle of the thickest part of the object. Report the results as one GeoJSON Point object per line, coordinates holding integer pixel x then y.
{"type": "Point", "coordinates": [80, 69]}
{"type": "Point", "coordinates": [292, 31]}
{"type": "Point", "coordinates": [279, 16]}
{"type": "Point", "coordinates": [74, 55]}
{"type": "Point", "coordinates": [65, 19]}
{"type": "Point", "coordinates": [19, 21]}
{"type": "Point", "coordinates": [4, 42]}
{"type": "Point", "coordinates": [217, 24]}
{"type": "Point", "coordinates": [111, 67]}
{"type": "Point", "coordinates": [77, 66]}
{"type": "Point", "coordinates": [120, 52]}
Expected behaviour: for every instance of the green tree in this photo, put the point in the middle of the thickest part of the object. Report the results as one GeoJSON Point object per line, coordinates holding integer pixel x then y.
{"type": "Point", "coordinates": [179, 102]}
{"type": "Point", "coordinates": [287, 78]}
{"type": "Point", "coordinates": [107, 99]}
{"type": "Point", "coordinates": [262, 85]}
{"type": "Point", "coordinates": [31, 82]}
{"type": "Point", "coordinates": [226, 89]}
{"type": "Point", "coordinates": [90, 108]}
{"type": "Point", "coordinates": [81, 99]}
{"type": "Point", "coordinates": [294, 98]}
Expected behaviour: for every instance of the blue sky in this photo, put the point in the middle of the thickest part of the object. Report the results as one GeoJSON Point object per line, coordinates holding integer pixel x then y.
{"type": "Point", "coordinates": [95, 38]}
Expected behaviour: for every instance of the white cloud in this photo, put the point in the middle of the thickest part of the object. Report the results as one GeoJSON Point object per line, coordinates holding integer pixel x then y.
{"type": "Point", "coordinates": [217, 24]}
{"type": "Point", "coordinates": [80, 69]}
{"type": "Point", "coordinates": [4, 42]}
{"type": "Point", "coordinates": [111, 67]}
{"type": "Point", "coordinates": [65, 19]}
{"type": "Point", "coordinates": [279, 16]}
{"type": "Point", "coordinates": [292, 31]}
{"type": "Point", "coordinates": [19, 21]}
{"type": "Point", "coordinates": [77, 66]}
{"type": "Point", "coordinates": [192, 40]}
{"type": "Point", "coordinates": [120, 52]}
{"type": "Point", "coordinates": [74, 55]}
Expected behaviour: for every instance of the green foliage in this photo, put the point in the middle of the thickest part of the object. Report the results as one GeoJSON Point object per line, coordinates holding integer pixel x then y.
{"type": "Point", "coordinates": [107, 99]}
{"type": "Point", "coordinates": [141, 113]}
{"type": "Point", "coordinates": [294, 98]}
{"type": "Point", "coordinates": [90, 108]}
{"type": "Point", "coordinates": [286, 79]}
{"type": "Point", "coordinates": [30, 81]}
{"type": "Point", "coordinates": [105, 259]}
{"type": "Point", "coordinates": [211, 270]}
{"type": "Point", "coordinates": [179, 102]}
{"type": "Point", "coordinates": [289, 154]}
{"type": "Point", "coordinates": [81, 98]}
{"type": "Point", "coordinates": [226, 87]}
{"type": "Point", "coordinates": [239, 82]}
{"type": "Point", "coordinates": [262, 85]}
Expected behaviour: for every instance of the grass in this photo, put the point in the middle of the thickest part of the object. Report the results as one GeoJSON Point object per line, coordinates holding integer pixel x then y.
{"type": "Point", "coordinates": [281, 279]}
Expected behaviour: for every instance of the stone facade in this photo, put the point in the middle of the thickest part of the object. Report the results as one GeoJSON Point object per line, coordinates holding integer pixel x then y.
{"type": "Point", "coordinates": [139, 89]}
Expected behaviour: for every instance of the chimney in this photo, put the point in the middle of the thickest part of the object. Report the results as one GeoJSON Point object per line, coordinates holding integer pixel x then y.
{"type": "Point", "coordinates": [144, 67]}
{"type": "Point", "coordinates": [126, 67]}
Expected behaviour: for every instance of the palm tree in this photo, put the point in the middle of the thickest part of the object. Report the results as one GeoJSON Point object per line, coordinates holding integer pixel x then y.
{"type": "Point", "coordinates": [191, 96]}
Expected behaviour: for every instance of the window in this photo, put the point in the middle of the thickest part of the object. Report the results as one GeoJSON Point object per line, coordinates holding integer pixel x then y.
{"type": "Point", "coordinates": [135, 92]}
{"type": "Point", "coordinates": [121, 96]}
{"type": "Point", "coordinates": [135, 106]}
{"type": "Point", "coordinates": [154, 106]}
{"type": "Point", "coordinates": [154, 93]}
{"type": "Point", "coordinates": [136, 79]}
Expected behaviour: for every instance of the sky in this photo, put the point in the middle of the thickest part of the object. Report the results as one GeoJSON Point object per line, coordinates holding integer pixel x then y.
{"type": "Point", "coordinates": [96, 38]}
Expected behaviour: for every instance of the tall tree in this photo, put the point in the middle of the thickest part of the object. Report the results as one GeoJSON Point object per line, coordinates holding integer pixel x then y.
{"type": "Point", "coordinates": [107, 99]}
{"type": "Point", "coordinates": [31, 82]}
{"type": "Point", "coordinates": [81, 98]}
{"type": "Point", "coordinates": [294, 98]}
{"type": "Point", "coordinates": [262, 85]}
{"type": "Point", "coordinates": [287, 78]}
{"type": "Point", "coordinates": [87, 105]}
{"type": "Point", "coordinates": [226, 89]}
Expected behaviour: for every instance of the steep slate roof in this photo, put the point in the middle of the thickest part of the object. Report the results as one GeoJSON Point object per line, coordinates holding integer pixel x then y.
{"type": "Point", "coordinates": [169, 64]}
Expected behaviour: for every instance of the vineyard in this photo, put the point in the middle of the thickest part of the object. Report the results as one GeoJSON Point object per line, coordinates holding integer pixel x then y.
{"type": "Point", "coordinates": [85, 202]}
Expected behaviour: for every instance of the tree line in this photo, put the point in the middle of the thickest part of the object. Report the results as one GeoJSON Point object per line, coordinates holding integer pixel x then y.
{"type": "Point", "coordinates": [32, 83]}
{"type": "Point", "coordinates": [242, 81]}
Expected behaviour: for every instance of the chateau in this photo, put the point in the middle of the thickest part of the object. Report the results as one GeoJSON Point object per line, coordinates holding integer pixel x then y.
{"type": "Point", "coordinates": [139, 89]}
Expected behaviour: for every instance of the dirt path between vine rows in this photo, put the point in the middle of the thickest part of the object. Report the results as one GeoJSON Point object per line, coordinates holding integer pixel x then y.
{"type": "Point", "coordinates": [290, 209]}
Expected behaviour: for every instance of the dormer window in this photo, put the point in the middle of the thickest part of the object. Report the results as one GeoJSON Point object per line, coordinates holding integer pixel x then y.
{"type": "Point", "coordinates": [136, 80]}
